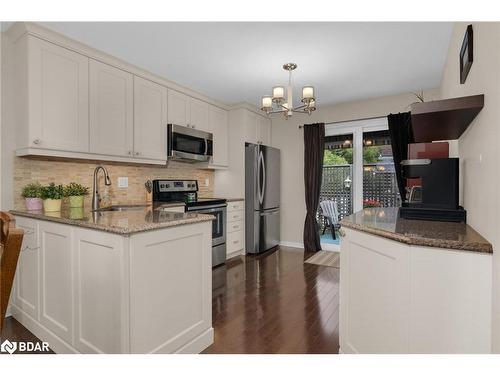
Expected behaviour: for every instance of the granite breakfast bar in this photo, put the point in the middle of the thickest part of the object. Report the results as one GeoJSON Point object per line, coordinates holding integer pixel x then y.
{"type": "Point", "coordinates": [133, 281]}
{"type": "Point", "coordinates": [412, 286]}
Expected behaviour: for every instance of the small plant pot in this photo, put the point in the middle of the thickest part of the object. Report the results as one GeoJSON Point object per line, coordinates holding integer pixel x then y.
{"type": "Point", "coordinates": [34, 204]}
{"type": "Point", "coordinates": [76, 201]}
{"type": "Point", "coordinates": [52, 205]}
{"type": "Point", "coordinates": [76, 213]}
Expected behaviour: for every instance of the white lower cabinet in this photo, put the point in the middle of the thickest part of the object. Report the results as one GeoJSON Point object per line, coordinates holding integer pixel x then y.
{"type": "Point", "coordinates": [100, 292]}
{"type": "Point", "coordinates": [235, 228]}
{"type": "Point", "coordinates": [26, 293]}
{"type": "Point", "coordinates": [397, 298]}
{"type": "Point", "coordinates": [56, 279]}
{"type": "Point", "coordinates": [88, 291]}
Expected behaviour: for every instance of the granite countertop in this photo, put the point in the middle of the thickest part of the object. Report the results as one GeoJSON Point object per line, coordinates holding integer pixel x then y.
{"type": "Point", "coordinates": [385, 222]}
{"type": "Point", "coordinates": [124, 223]}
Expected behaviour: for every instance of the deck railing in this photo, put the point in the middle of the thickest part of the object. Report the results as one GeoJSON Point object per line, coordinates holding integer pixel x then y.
{"type": "Point", "coordinates": [379, 187]}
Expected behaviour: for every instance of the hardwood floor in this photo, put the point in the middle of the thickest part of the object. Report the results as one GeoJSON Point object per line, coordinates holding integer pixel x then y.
{"type": "Point", "coordinates": [275, 303]}
{"type": "Point", "coordinates": [269, 303]}
{"type": "Point", "coordinates": [15, 331]}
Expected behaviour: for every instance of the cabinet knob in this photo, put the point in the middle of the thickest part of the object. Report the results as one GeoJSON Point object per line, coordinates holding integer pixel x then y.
{"type": "Point", "coordinates": [193, 126]}
{"type": "Point", "coordinates": [130, 152]}
{"type": "Point", "coordinates": [137, 154]}
{"type": "Point", "coordinates": [36, 141]}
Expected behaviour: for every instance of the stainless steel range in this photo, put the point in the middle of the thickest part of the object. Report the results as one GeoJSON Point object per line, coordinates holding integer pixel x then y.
{"type": "Point", "coordinates": [186, 191]}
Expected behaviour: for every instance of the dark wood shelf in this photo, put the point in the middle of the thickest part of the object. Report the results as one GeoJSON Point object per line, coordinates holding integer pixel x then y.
{"type": "Point", "coordinates": [444, 119]}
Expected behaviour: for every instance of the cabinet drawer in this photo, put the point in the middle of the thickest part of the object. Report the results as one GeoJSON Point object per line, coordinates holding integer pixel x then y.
{"type": "Point", "coordinates": [235, 216]}
{"type": "Point", "coordinates": [235, 226]}
{"type": "Point", "coordinates": [235, 241]}
{"type": "Point", "coordinates": [235, 206]}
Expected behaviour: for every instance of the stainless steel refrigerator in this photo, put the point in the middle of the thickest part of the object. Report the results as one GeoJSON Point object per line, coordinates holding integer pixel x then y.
{"type": "Point", "coordinates": [262, 198]}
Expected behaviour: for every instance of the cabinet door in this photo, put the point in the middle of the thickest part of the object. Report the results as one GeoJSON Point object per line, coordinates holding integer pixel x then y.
{"type": "Point", "coordinates": [100, 286]}
{"type": "Point", "coordinates": [199, 115]}
{"type": "Point", "coordinates": [111, 110]}
{"type": "Point", "coordinates": [56, 279]}
{"type": "Point", "coordinates": [178, 108]}
{"type": "Point", "coordinates": [218, 126]}
{"type": "Point", "coordinates": [26, 285]}
{"type": "Point", "coordinates": [58, 97]}
{"type": "Point", "coordinates": [150, 119]}
{"type": "Point", "coordinates": [374, 294]}
{"type": "Point", "coordinates": [265, 131]}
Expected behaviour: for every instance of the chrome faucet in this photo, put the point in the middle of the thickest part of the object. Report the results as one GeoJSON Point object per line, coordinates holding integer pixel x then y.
{"type": "Point", "coordinates": [96, 199]}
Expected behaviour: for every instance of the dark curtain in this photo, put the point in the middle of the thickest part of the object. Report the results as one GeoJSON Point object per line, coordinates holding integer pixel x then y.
{"type": "Point", "coordinates": [314, 146]}
{"type": "Point", "coordinates": [401, 135]}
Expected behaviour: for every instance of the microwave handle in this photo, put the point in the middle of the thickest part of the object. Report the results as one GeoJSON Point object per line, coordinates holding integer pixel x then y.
{"type": "Point", "coordinates": [206, 147]}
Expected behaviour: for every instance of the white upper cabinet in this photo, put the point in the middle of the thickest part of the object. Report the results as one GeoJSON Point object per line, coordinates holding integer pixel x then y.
{"type": "Point", "coordinates": [111, 110]}
{"type": "Point", "coordinates": [199, 115]}
{"type": "Point", "coordinates": [257, 129]}
{"type": "Point", "coordinates": [150, 119]}
{"type": "Point", "coordinates": [57, 96]}
{"type": "Point", "coordinates": [187, 111]}
{"type": "Point", "coordinates": [178, 108]}
{"type": "Point", "coordinates": [218, 126]}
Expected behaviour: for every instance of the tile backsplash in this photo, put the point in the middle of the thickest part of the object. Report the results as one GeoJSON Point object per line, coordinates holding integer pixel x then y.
{"type": "Point", "coordinates": [60, 171]}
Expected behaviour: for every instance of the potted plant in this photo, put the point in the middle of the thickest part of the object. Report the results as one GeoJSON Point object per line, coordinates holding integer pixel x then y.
{"type": "Point", "coordinates": [76, 193]}
{"type": "Point", "coordinates": [52, 196]}
{"type": "Point", "coordinates": [32, 194]}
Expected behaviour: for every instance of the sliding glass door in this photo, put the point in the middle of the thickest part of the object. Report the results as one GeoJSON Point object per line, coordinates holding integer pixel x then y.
{"type": "Point", "coordinates": [358, 172]}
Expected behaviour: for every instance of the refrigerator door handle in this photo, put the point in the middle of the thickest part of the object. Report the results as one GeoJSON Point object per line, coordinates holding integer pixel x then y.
{"type": "Point", "coordinates": [262, 184]}
{"type": "Point", "coordinates": [271, 212]}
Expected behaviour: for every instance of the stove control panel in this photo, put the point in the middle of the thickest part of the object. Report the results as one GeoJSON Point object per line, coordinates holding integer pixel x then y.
{"type": "Point", "coordinates": [170, 186]}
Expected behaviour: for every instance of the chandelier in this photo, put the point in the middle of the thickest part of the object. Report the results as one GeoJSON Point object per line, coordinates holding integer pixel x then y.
{"type": "Point", "coordinates": [277, 103]}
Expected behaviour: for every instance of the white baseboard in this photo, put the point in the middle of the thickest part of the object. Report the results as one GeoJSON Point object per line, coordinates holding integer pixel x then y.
{"type": "Point", "coordinates": [198, 344]}
{"type": "Point", "coordinates": [8, 312]}
{"type": "Point", "coordinates": [298, 245]}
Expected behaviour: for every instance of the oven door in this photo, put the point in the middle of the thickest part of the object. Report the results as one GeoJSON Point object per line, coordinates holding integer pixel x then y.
{"type": "Point", "coordinates": [218, 225]}
{"type": "Point", "coordinates": [188, 144]}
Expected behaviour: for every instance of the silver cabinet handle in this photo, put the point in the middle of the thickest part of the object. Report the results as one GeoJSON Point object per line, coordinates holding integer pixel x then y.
{"type": "Point", "coordinates": [235, 242]}
{"type": "Point", "coordinates": [36, 141]}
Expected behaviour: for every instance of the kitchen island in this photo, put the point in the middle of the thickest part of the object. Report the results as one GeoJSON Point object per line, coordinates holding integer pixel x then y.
{"type": "Point", "coordinates": [133, 281]}
{"type": "Point", "coordinates": [413, 286]}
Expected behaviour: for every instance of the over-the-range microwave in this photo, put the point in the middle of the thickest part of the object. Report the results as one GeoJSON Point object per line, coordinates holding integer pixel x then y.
{"type": "Point", "coordinates": [188, 144]}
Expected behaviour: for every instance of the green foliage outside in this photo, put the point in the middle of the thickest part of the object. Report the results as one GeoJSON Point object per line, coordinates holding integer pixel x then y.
{"type": "Point", "coordinates": [344, 156]}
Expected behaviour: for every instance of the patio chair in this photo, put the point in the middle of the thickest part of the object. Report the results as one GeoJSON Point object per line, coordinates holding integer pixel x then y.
{"type": "Point", "coordinates": [10, 247]}
{"type": "Point", "coordinates": [331, 215]}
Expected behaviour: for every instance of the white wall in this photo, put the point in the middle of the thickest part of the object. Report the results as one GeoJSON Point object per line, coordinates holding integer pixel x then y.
{"type": "Point", "coordinates": [287, 136]}
{"type": "Point", "coordinates": [478, 146]}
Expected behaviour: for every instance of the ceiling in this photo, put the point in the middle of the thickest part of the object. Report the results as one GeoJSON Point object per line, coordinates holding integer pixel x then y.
{"type": "Point", "coordinates": [236, 62]}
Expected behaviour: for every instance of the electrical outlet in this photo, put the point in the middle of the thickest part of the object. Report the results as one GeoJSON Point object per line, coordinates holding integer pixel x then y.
{"type": "Point", "coordinates": [122, 182]}
{"type": "Point", "coordinates": [207, 182]}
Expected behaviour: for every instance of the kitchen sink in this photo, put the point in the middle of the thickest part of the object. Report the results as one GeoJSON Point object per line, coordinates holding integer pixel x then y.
{"type": "Point", "coordinates": [124, 207]}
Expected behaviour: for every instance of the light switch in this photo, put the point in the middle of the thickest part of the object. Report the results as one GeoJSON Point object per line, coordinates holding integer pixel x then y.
{"type": "Point", "coordinates": [207, 182]}
{"type": "Point", "coordinates": [122, 182]}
